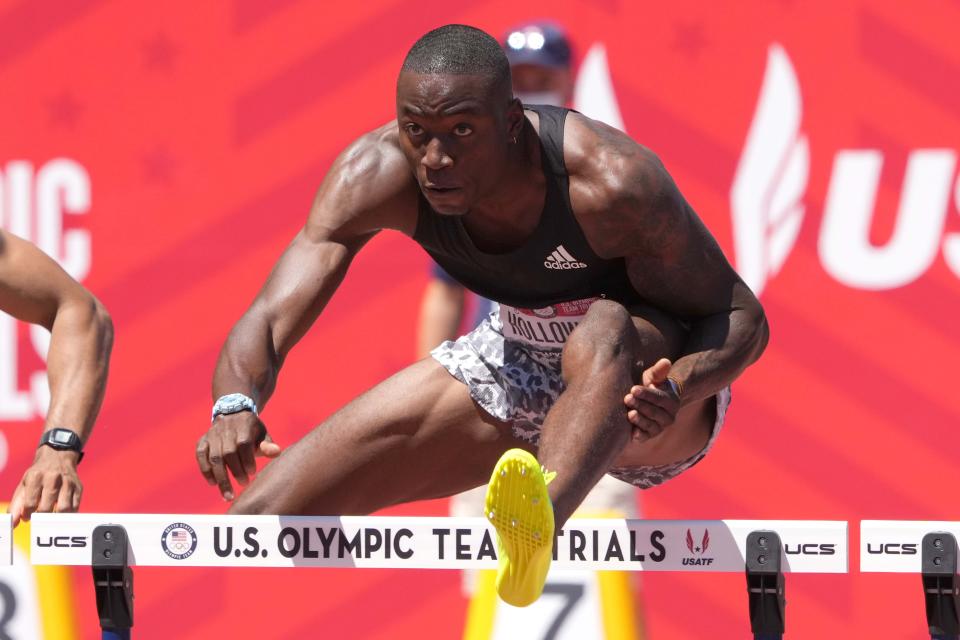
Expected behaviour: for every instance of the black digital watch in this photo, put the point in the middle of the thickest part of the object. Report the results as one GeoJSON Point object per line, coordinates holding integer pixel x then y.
{"type": "Point", "coordinates": [62, 440]}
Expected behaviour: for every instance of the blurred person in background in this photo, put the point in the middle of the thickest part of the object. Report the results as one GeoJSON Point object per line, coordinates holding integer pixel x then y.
{"type": "Point", "coordinates": [33, 288]}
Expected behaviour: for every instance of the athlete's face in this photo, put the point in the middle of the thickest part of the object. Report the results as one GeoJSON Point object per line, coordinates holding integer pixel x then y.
{"type": "Point", "coordinates": [455, 131]}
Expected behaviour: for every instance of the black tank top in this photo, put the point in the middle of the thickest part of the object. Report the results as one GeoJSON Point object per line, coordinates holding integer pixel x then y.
{"type": "Point", "coordinates": [555, 264]}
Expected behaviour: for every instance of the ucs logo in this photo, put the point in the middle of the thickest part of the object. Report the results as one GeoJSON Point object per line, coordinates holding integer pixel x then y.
{"type": "Point", "coordinates": [811, 549]}
{"type": "Point", "coordinates": [893, 548]}
{"type": "Point", "coordinates": [62, 542]}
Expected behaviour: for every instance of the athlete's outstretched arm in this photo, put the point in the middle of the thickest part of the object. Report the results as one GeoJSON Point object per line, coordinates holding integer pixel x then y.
{"type": "Point", "coordinates": [678, 266]}
{"type": "Point", "coordinates": [675, 264]}
{"type": "Point", "coordinates": [351, 206]}
{"type": "Point", "coordinates": [34, 288]}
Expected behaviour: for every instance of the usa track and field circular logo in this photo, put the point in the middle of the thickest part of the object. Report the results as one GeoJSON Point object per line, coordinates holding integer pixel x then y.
{"type": "Point", "coordinates": [179, 541]}
{"type": "Point", "coordinates": [544, 312]}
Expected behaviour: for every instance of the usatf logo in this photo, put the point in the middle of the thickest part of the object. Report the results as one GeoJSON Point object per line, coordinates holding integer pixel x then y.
{"type": "Point", "coordinates": [698, 549]}
{"type": "Point", "coordinates": [179, 541]}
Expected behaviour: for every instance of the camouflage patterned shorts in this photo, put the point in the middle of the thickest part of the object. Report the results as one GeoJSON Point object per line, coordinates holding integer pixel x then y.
{"type": "Point", "coordinates": [518, 385]}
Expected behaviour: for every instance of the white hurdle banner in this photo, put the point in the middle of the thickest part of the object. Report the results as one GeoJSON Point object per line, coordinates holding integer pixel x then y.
{"type": "Point", "coordinates": [810, 546]}
{"type": "Point", "coordinates": [6, 539]}
{"type": "Point", "coordinates": [893, 546]}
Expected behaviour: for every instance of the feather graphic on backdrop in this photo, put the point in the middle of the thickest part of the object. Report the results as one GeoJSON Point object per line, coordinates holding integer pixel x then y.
{"type": "Point", "coordinates": [593, 94]}
{"type": "Point", "coordinates": [767, 194]}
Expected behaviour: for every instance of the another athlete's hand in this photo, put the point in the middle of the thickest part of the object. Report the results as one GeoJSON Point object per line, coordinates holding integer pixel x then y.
{"type": "Point", "coordinates": [233, 442]}
{"type": "Point", "coordinates": [50, 484]}
{"type": "Point", "coordinates": [652, 405]}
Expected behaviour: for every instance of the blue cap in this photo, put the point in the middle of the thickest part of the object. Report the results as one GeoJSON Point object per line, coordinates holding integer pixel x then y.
{"type": "Point", "coordinates": [541, 43]}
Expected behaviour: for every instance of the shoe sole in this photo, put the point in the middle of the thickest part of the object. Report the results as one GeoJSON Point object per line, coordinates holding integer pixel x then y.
{"type": "Point", "coordinates": [519, 508]}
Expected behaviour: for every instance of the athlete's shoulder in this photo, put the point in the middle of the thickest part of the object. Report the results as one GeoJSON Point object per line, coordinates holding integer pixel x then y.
{"type": "Point", "coordinates": [610, 161]}
{"type": "Point", "coordinates": [373, 165]}
{"type": "Point", "coordinates": [618, 187]}
{"type": "Point", "coordinates": [369, 186]}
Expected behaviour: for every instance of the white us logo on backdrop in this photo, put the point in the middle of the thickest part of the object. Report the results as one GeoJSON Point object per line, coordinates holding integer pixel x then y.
{"type": "Point", "coordinates": [767, 199]}
{"type": "Point", "coordinates": [593, 93]}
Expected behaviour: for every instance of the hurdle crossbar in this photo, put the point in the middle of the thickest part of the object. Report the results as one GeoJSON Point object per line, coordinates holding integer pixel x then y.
{"type": "Point", "coordinates": [431, 542]}
{"type": "Point", "coordinates": [894, 546]}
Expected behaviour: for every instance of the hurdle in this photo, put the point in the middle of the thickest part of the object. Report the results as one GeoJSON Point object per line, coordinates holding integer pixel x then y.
{"type": "Point", "coordinates": [764, 550]}
{"type": "Point", "coordinates": [925, 547]}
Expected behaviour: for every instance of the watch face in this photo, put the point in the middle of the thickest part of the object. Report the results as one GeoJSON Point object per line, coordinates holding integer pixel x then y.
{"type": "Point", "coordinates": [61, 439]}
{"type": "Point", "coordinates": [233, 403]}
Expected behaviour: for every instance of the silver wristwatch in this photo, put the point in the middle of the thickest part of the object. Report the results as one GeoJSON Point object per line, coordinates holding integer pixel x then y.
{"type": "Point", "coordinates": [232, 403]}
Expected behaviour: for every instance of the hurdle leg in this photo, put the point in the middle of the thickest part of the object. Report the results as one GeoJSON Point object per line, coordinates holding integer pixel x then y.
{"type": "Point", "coordinates": [113, 581]}
{"type": "Point", "coordinates": [941, 591]}
{"type": "Point", "coordinates": [765, 585]}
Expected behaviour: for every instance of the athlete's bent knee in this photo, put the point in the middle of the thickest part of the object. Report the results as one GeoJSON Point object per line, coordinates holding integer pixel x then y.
{"type": "Point", "coordinates": [252, 503]}
{"type": "Point", "coordinates": [605, 337]}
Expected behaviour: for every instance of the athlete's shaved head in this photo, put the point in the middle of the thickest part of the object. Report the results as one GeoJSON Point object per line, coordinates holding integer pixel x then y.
{"type": "Point", "coordinates": [457, 118]}
{"type": "Point", "coordinates": [456, 49]}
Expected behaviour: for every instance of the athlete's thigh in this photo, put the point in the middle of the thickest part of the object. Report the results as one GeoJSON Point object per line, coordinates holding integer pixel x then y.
{"type": "Point", "coordinates": [416, 435]}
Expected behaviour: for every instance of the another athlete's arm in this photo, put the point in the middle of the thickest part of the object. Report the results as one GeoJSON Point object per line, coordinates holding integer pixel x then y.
{"type": "Point", "coordinates": [34, 288]}
{"type": "Point", "coordinates": [354, 202]}
{"type": "Point", "coordinates": [676, 265]}
{"type": "Point", "coordinates": [441, 311]}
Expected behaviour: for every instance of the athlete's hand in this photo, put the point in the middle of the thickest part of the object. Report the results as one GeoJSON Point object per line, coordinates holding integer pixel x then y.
{"type": "Point", "coordinates": [50, 484]}
{"type": "Point", "coordinates": [652, 405]}
{"type": "Point", "coordinates": [233, 443]}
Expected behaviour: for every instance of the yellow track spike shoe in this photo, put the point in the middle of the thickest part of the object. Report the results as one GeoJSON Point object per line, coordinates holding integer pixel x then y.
{"type": "Point", "coordinates": [519, 508]}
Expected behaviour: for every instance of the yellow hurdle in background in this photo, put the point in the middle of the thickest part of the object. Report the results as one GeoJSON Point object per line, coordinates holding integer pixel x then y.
{"type": "Point", "coordinates": [575, 604]}
{"type": "Point", "coordinates": [35, 601]}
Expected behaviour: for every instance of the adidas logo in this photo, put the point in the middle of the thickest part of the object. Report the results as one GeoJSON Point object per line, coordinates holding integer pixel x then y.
{"type": "Point", "coordinates": [561, 259]}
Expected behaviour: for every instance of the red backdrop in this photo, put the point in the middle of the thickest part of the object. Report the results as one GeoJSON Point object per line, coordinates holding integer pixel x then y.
{"type": "Point", "coordinates": [198, 132]}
